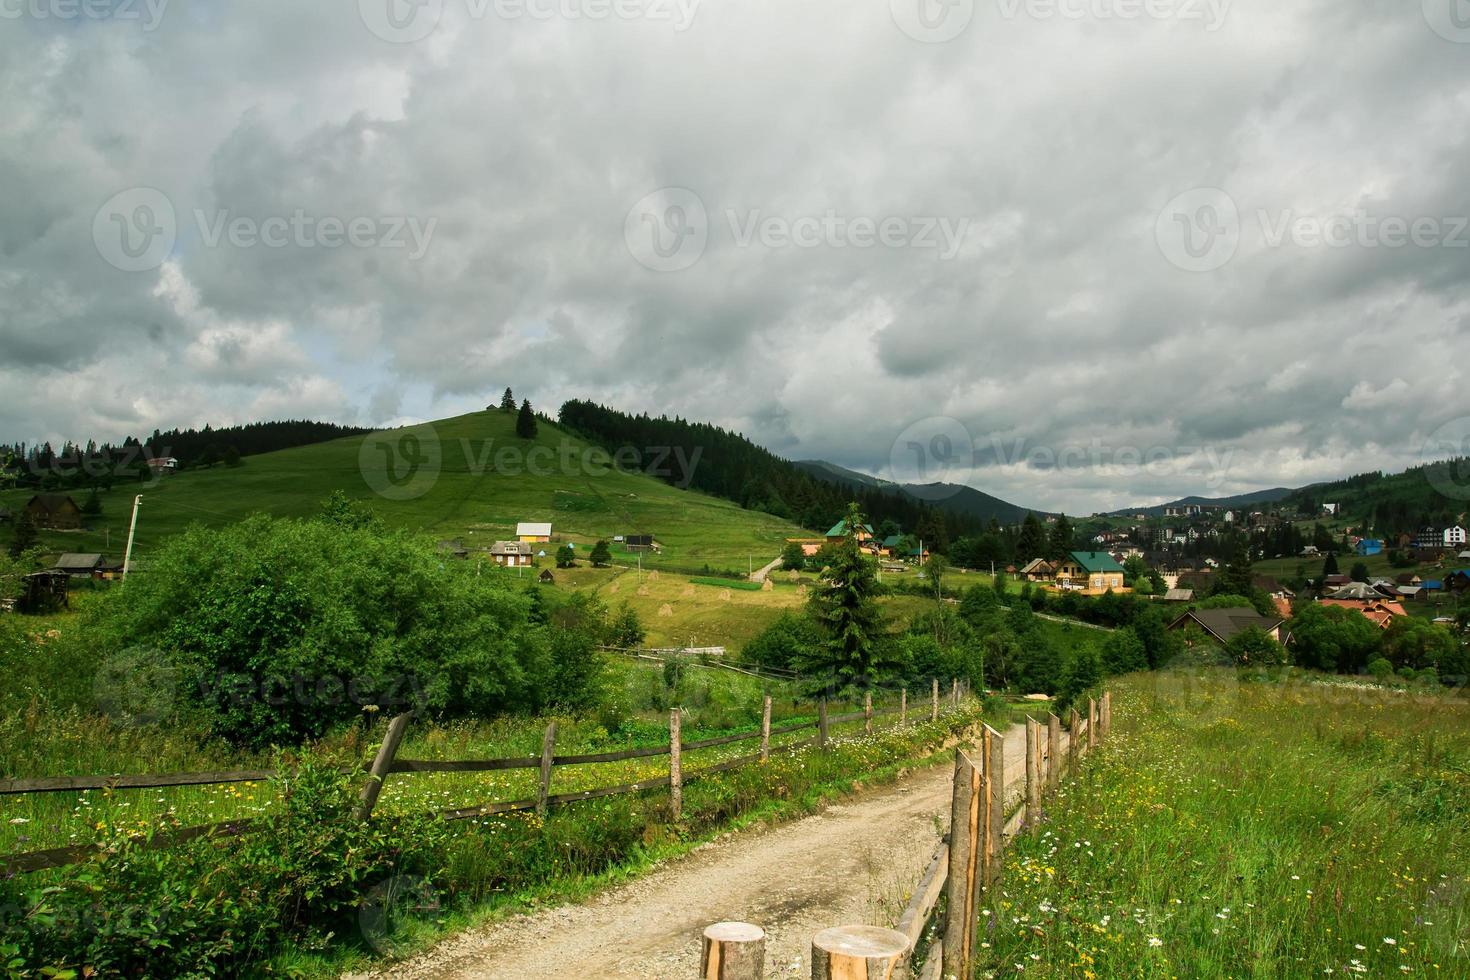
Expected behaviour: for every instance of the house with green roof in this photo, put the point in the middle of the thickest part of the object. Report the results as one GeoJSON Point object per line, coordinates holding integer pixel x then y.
{"type": "Point", "coordinates": [1089, 572]}
{"type": "Point", "coordinates": [839, 531]}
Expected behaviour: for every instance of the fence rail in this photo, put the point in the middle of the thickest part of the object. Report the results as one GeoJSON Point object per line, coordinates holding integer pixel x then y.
{"type": "Point", "coordinates": [386, 763]}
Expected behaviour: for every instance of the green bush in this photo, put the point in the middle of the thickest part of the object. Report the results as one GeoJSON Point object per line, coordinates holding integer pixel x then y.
{"type": "Point", "coordinates": [278, 629]}
{"type": "Point", "coordinates": [1380, 669]}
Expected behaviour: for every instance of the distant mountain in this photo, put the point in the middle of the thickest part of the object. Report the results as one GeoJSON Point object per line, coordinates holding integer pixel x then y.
{"type": "Point", "coordinates": [951, 498]}
{"type": "Point", "coordinates": [1239, 500]}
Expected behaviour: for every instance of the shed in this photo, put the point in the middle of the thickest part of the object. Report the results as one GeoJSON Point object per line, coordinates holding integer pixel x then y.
{"type": "Point", "coordinates": [54, 510]}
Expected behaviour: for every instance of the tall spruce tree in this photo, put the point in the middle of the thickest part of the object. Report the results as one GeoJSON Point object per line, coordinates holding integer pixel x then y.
{"type": "Point", "coordinates": [526, 421]}
{"type": "Point", "coordinates": [845, 608]}
{"type": "Point", "coordinates": [1032, 543]}
{"type": "Point", "coordinates": [507, 402]}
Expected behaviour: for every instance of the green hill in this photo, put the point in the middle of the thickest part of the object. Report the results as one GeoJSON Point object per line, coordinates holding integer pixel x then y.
{"type": "Point", "coordinates": [486, 480]}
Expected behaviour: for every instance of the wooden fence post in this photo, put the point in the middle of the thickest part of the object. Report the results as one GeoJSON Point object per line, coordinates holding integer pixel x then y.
{"type": "Point", "coordinates": [859, 953]}
{"type": "Point", "coordinates": [766, 730]}
{"type": "Point", "coordinates": [954, 692]}
{"type": "Point", "coordinates": [868, 713]}
{"type": "Point", "coordinates": [1074, 742]}
{"type": "Point", "coordinates": [1091, 723]}
{"type": "Point", "coordinates": [676, 773]}
{"type": "Point", "coordinates": [382, 762]}
{"type": "Point", "coordinates": [965, 850]}
{"type": "Point", "coordinates": [995, 860]}
{"type": "Point", "coordinates": [1107, 713]}
{"type": "Point", "coordinates": [543, 788]}
{"type": "Point", "coordinates": [1033, 775]}
{"type": "Point", "coordinates": [733, 951]}
{"type": "Point", "coordinates": [1053, 753]}
{"type": "Point", "coordinates": [822, 725]}
{"type": "Point", "coordinates": [934, 701]}
{"type": "Point", "coordinates": [903, 707]}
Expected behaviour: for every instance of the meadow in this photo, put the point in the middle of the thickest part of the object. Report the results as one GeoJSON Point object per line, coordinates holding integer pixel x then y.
{"type": "Point", "coordinates": [1250, 827]}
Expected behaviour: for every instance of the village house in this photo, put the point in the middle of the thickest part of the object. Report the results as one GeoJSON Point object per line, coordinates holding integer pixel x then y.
{"type": "Point", "coordinates": [55, 511]}
{"type": "Point", "coordinates": [162, 464]}
{"type": "Point", "coordinates": [1380, 612]}
{"type": "Point", "coordinates": [642, 542]}
{"type": "Point", "coordinates": [80, 565]}
{"type": "Point", "coordinates": [1038, 570]}
{"type": "Point", "coordinates": [839, 531]}
{"type": "Point", "coordinates": [1367, 547]}
{"type": "Point", "coordinates": [532, 532]}
{"type": "Point", "coordinates": [1222, 624]}
{"type": "Point", "coordinates": [511, 554]}
{"type": "Point", "coordinates": [809, 546]}
{"type": "Point", "coordinates": [1092, 572]}
{"type": "Point", "coordinates": [1454, 537]}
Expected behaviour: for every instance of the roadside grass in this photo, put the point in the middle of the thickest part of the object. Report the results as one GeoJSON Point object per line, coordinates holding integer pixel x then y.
{"type": "Point", "coordinates": [1245, 828]}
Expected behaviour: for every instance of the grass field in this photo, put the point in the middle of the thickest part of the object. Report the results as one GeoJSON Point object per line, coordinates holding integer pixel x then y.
{"type": "Point", "coordinates": [1245, 829]}
{"type": "Point", "coordinates": [478, 483]}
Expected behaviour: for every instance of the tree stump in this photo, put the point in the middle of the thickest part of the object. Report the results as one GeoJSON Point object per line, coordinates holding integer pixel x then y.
{"type": "Point", "coordinates": [860, 953]}
{"type": "Point", "coordinates": [733, 951]}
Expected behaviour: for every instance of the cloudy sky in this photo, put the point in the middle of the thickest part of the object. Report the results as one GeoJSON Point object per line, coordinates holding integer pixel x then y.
{"type": "Point", "coordinates": [1078, 253]}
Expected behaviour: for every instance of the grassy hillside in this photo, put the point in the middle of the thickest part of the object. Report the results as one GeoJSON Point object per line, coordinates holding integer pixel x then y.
{"type": "Point", "coordinates": [1232, 828]}
{"type": "Point", "coordinates": [482, 489]}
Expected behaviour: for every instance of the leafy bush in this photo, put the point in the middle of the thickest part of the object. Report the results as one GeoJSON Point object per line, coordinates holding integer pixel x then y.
{"type": "Point", "coordinates": [278, 629]}
{"type": "Point", "coordinates": [1381, 669]}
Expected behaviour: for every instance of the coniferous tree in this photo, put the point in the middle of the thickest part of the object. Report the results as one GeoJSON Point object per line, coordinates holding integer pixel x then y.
{"type": "Point", "coordinates": [1062, 536]}
{"type": "Point", "coordinates": [845, 608]}
{"type": "Point", "coordinates": [1032, 543]}
{"type": "Point", "coordinates": [25, 534]}
{"type": "Point", "coordinates": [507, 401]}
{"type": "Point", "coordinates": [601, 555]}
{"type": "Point", "coordinates": [526, 421]}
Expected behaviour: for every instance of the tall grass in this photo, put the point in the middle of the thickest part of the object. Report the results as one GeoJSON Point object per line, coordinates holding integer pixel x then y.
{"type": "Point", "coordinates": [1240, 828]}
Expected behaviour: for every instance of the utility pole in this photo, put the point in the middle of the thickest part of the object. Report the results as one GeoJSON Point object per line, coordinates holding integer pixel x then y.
{"type": "Point", "coordinates": [132, 529]}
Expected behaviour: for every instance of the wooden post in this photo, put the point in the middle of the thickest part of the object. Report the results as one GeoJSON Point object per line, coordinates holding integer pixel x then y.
{"type": "Point", "coordinates": [1074, 742]}
{"type": "Point", "coordinates": [676, 772]}
{"type": "Point", "coordinates": [766, 730]}
{"type": "Point", "coordinates": [733, 951]}
{"type": "Point", "coordinates": [1053, 753]}
{"type": "Point", "coordinates": [382, 762]}
{"type": "Point", "coordinates": [822, 725]}
{"type": "Point", "coordinates": [543, 788]}
{"type": "Point", "coordinates": [1091, 723]}
{"type": "Point", "coordinates": [934, 706]}
{"type": "Point", "coordinates": [996, 858]}
{"type": "Point", "coordinates": [965, 849]}
{"type": "Point", "coordinates": [860, 953]}
{"type": "Point", "coordinates": [868, 713]}
{"type": "Point", "coordinates": [1107, 713]}
{"type": "Point", "coordinates": [1033, 774]}
{"type": "Point", "coordinates": [954, 692]}
{"type": "Point", "coordinates": [903, 707]}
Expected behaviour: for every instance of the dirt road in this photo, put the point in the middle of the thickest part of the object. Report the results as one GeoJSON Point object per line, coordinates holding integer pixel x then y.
{"type": "Point", "coordinates": [854, 862]}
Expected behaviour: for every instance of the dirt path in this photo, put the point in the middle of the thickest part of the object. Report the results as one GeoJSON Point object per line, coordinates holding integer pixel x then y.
{"type": "Point", "coordinates": [759, 575]}
{"type": "Point", "coordinates": [854, 862]}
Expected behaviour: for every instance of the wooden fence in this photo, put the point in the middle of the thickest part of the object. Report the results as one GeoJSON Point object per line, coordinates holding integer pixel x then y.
{"type": "Point", "coordinates": [987, 807]}
{"type": "Point", "coordinates": [387, 763]}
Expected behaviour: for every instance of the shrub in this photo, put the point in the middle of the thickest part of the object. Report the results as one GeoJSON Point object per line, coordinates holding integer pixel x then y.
{"type": "Point", "coordinates": [278, 629]}
{"type": "Point", "coordinates": [1380, 669]}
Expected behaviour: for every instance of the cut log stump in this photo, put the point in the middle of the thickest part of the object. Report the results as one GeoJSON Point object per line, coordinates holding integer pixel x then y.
{"type": "Point", "coordinates": [860, 953]}
{"type": "Point", "coordinates": [733, 951]}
